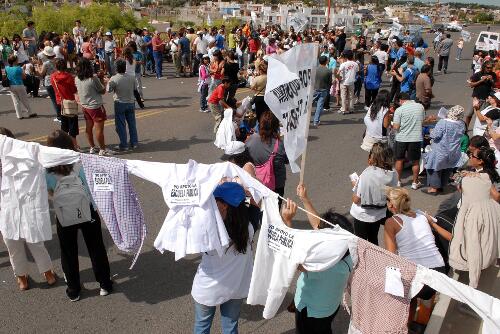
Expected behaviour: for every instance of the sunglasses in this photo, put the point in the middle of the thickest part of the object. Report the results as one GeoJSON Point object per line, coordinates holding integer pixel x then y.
{"type": "Point", "coordinates": [471, 155]}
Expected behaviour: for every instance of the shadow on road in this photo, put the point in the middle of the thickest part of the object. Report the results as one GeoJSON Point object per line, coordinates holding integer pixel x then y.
{"type": "Point", "coordinates": [172, 144]}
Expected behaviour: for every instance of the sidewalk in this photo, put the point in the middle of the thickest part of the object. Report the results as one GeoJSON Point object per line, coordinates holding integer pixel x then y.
{"type": "Point", "coordinates": [448, 319]}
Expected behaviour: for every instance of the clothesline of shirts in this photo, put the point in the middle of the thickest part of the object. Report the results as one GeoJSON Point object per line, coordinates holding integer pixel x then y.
{"type": "Point", "coordinates": [194, 225]}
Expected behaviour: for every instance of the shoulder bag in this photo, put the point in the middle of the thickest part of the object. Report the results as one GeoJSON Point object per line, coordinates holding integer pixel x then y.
{"type": "Point", "coordinates": [265, 172]}
{"type": "Point", "coordinates": [69, 108]}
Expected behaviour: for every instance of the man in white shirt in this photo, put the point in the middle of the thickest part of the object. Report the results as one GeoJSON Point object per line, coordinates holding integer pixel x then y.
{"type": "Point", "coordinates": [78, 33]}
{"type": "Point", "coordinates": [347, 73]}
{"type": "Point", "coordinates": [377, 35]}
{"type": "Point", "coordinates": [200, 47]}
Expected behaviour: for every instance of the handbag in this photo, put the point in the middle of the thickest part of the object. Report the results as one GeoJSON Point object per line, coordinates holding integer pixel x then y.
{"type": "Point", "coordinates": [69, 108]}
{"type": "Point", "coordinates": [265, 172]}
{"type": "Point", "coordinates": [5, 82]}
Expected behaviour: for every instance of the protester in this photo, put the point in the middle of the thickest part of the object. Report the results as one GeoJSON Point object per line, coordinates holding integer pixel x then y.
{"type": "Point", "coordinates": [17, 246]}
{"type": "Point", "coordinates": [16, 75]}
{"type": "Point", "coordinates": [65, 89]}
{"type": "Point", "coordinates": [90, 89]}
{"type": "Point", "coordinates": [407, 122]}
{"type": "Point", "coordinates": [490, 110]}
{"type": "Point", "coordinates": [30, 38]}
{"type": "Point", "coordinates": [347, 75]}
{"type": "Point", "coordinates": [407, 77]}
{"type": "Point", "coordinates": [231, 71]}
{"type": "Point", "coordinates": [122, 85]}
{"type": "Point", "coordinates": [73, 177]}
{"type": "Point", "coordinates": [322, 85]}
{"type": "Point", "coordinates": [267, 145]}
{"type": "Point", "coordinates": [203, 82]}
{"type": "Point", "coordinates": [133, 61]}
{"type": "Point", "coordinates": [373, 80]}
{"type": "Point", "coordinates": [423, 87]}
{"type": "Point", "coordinates": [368, 200]}
{"type": "Point", "coordinates": [460, 47]}
{"type": "Point", "coordinates": [216, 70]}
{"type": "Point", "coordinates": [482, 84]}
{"type": "Point", "coordinates": [477, 221]}
{"type": "Point", "coordinates": [110, 53]}
{"type": "Point", "coordinates": [318, 295]}
{"type": "Point", "coordinates": [217, 102]}
{"type": "Point", "coordinates": [443, 50]}
{"type": "Point", "coordinates": [225, 280]}
{"type": "Point", "coordinates": [45, 72]}
{"type": "Point", "coordinates": [185, 51]}
{"type": "Point", "coordinates": [19, 50]}
{"type": "Point", "coordinates": [445, 150]}
{"type": "Point", "coordinates": [258, 85]}
{"type": "Point", "coordinates": [408, 234]}
{"type": "Point", "coordinates": [377, 121]}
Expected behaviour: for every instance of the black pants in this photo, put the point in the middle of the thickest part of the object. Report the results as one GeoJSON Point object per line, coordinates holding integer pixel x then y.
{"type": "Point", "coordinates": [358, 84]}
{"type": "Point", "coordinates": [32, 84]}
{"type": "Point", "coordinates": [370, 95]}
{"type": "Point", "coordinates": [395, 88]}
{"type": "Point", "coordinates": [368, 231]}
{"type": "Point", "coordinates": [307, 325]}
{"type": "Point", "coordinates": [260, 106]}
{"type": "Point", "coordinates": [92, 235]}
{"type": "Point", "coordinates": [281, 192]}
{"type": "Point", "coordinates": [138, 99]}
{"type": "Point", "coordinates": [443, 63]}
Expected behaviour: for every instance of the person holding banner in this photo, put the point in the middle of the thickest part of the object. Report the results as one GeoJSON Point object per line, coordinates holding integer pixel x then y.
{"type": "Point", "coordinates": [224, 281]}
{"type": "Point", "coordinates": [318, 294]}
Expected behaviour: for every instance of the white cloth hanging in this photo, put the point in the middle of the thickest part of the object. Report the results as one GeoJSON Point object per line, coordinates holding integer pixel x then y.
{"type": "Point", "coordinates": [193, 224]}
{"type": "Point", "coordinates": [281, 249]}
{"type": "Point", "coordinates": [24, 199]}
{"type": "Point", "coordinates": [226, 131]}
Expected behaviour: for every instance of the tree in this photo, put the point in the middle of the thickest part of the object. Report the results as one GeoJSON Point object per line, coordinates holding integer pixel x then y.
{"type": "Point", "coordinates": [483, 18]}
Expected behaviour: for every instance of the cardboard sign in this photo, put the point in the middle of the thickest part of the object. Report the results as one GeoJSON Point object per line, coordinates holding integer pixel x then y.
{"type": "Point", "coordinates": [102, 182]}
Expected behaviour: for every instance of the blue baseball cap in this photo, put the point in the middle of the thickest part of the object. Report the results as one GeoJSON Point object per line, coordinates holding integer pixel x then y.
{"type": "Point", "coordinates": [230, 192]}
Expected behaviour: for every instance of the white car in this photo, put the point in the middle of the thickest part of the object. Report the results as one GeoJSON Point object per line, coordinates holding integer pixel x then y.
{"type": "Point", "coordinates": [487, 41]}
{"type": "Point", "coordinates": [453, 27]}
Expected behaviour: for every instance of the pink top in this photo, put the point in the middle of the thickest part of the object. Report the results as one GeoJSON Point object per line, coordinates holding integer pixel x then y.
{"type": "Point", "coordinates": [87, 50]}
{"type": "Point", "coordinates": [270, 49]}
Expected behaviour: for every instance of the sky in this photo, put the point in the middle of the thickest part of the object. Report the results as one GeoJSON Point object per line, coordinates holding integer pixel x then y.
{"type": "Point", "coordinates": [482, 2]}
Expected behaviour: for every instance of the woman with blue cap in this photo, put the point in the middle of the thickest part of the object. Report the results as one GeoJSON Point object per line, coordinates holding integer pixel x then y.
{"type": "Point", "coordinates": [225, 280]}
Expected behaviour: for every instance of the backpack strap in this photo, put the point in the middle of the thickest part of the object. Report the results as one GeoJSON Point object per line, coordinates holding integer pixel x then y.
{"type": "Point", "coordinates": [276, 146]}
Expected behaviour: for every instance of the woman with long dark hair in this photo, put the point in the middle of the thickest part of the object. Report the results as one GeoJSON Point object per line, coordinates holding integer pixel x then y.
{"type": "Point", "coordinates": [90, 89]}
{"type": "Point", "coordinates": [474, 244]}
{"type": "Point", "coordinates": [133, 61]}
{"type": "Point", "coordinates": [267, 144]}
{"type": "Point", "coordinates": [377, 121]}
{"type": "Point", "coordinates": [225, 280]}
{"type": "Point", "coordinates": [67, 229]}
{"type": "Point", "coordinates": [216, 71]}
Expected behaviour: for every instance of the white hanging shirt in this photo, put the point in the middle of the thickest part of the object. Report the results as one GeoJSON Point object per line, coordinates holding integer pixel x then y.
{"type": "Point", "coordinates": [24, 212]}
{"type": "Point", "coordinates": [281, 249]}
{"type": "Point", "coordinates": [225, 132]}
{"type": "Point", "coordinates": [193, 224]}
{"type": "Point", "coordinates": [221, 278]}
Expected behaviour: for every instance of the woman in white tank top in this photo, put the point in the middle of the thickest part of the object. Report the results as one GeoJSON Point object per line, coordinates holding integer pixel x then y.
{"type": "Point", "coordinates": [408, 234]}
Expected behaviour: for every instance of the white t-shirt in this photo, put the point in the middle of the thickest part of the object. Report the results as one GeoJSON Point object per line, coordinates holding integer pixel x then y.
{"type": "Point", "coordinates": [382, 56]}
{"type": "Point", "coordinates": [348, 72]}
{"type": "Point", "coordinates": [57, 50]}
{"type": "Point", "coordinates": [174, 45]}
{"type": "Point", "coordinates": [480, 127]}
{"type": "Point", "coordinates": [371, 215]}
{"type": "Point", "coordinates": [130, 68]}
{"type": "Point", "coordinates": [281, 249]}
{"type": "Point", "coordinates": [221, 278]}
{"type": "Point", "coordinates": [374, 127]}
{"type": "Point", "coordinates": [201, 45]}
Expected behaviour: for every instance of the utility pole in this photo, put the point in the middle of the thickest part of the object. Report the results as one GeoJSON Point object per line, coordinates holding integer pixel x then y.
{"type": "Point", "coordinates": [328, 13]}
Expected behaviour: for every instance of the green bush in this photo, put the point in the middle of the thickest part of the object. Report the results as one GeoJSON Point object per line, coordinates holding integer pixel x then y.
{"type": "Point", "coordinates": [50, 18]}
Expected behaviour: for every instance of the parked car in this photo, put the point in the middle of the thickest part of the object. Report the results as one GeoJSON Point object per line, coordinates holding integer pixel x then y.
{"type": "Point", "coordinates": [453, 27]}
{"type": "Point", "coordinates": [436, 27]}
{"type": "Point", "coordinates": [487, 41]}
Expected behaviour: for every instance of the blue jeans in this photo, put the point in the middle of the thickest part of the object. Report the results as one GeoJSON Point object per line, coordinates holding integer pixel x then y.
{"type": "Point", "coordinates": [204, 315]}
{"type": "Point", "coordinates": [158, 56]}
{"type": "Point", "coordinates": [52, 93]}
{"type": "Point", "coordinates": [109, 60]}
{"type": "Point", "coordinates": [203, 97]}
{"type": "Point", "coordinates": [459, 53]}
{"type": "Point", "coordinates": [319, 97]}
{"type": "Point", "coordinates": [125, 114]}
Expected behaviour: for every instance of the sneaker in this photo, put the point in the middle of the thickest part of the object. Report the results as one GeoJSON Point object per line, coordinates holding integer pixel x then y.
{"type": "Point", "coordinates": [399, 184]}
{"type": "Point", "coordinates": [106, 152]}
{"type": "Point", "coordinates": [415, 186]}
{"type": "Point", "coordinates": [94, 150]}
{"type": "Point", "coordinates": [366, 108]}
{"type": "Point", "coordinates": [120, 149]}
{"type": "Point", "coordinates": [340, 111]}
{"type": "Point", "coordinates": [204, 110]}
{"type": "Point", "coordinates": [57, 120]}
{"type": "Point", "coordinates": [438, 72]}
{"type": "Point", "coordinates": [133, 147]}
{"type": "Point", "coordinates": [74, 299]}
{"type": "Point", "coordinates": [103, 292]}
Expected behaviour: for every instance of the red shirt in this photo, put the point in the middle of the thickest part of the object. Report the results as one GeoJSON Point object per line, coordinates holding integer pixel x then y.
{"type": "Point", "coordinates": [157, 46]}
{"type": "Point", "coordinates": [217, 94]}
{"type": "Point", "coordinates": [253, 45]}
{"type": "Point", "coordinates": [66, 88]}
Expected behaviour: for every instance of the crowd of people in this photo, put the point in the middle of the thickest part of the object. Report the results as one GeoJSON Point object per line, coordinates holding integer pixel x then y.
{"type": "Point", "coordinates": [77, 68]}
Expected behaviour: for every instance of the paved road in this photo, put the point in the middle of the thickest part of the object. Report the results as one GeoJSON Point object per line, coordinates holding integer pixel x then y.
{"type": "Point", "coordinates": [155, 296]}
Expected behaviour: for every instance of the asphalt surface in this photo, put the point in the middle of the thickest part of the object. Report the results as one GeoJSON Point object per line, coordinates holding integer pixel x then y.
{"type": "Point", "coordinates": [154, 297]}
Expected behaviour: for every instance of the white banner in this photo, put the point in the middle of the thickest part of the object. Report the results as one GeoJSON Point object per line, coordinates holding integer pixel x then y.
{"type": "Point", "coordinates": [289, 89]}
{"type": "Point", "coordinates": [298, 22]}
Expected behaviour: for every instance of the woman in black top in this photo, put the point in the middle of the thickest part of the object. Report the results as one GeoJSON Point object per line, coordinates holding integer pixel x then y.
{"type": "Point", "coordinates": [231, 70]}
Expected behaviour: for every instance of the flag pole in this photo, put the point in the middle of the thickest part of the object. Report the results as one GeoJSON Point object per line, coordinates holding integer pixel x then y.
{"type": "Point", "coordinates": [309, 112]}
